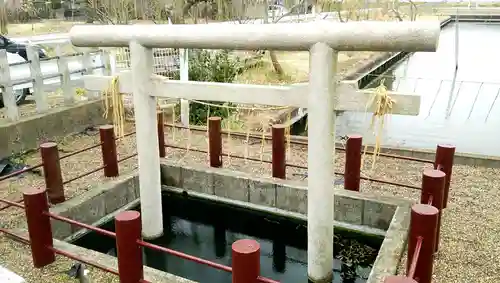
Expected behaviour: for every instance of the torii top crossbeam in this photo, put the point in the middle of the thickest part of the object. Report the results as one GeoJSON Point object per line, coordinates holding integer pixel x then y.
{"type": "Point", "coordinates": [351, 36]}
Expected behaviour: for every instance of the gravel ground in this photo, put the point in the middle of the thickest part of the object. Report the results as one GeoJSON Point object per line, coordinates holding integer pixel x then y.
{"type": "Point", "coordinates": [470, 231]}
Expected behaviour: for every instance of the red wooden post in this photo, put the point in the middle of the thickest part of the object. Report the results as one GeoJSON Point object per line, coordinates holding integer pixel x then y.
{"type": "Point", "coordinates": [279, 151]}
{"type": "Point", "coordinates": [423, 224]}
{"type": "Point", "coordinates": [39, 229]}
{"type": "Point", "coordinates": [433, 186]}
{"type": "Point", "coordinates": [399, 279]}
{"type": "Point", "coordinates": [161, 135]}
{"type": "Point", "coordinates": [52, 172]}
{"type": "Point", "coordinates": [352, 174]}
{"type": "Point", "coordinates": [108, 150]}
{"type": "Point", "coordinates": [215, 141]}
{"type": "Point", "coordinates": [129, 253]}
{"type": "Point", "coordinates": [444, 162]}
{"type": "Point", "coordinates": [246, 261]}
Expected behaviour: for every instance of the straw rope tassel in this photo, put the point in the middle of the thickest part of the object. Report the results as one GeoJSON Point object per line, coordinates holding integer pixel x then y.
{"type": "Point", "coordinates": [247, 143]}
{"type": "Point", "coordinates": [207, 137]}
{"type": "Point", "coordinates": [228, 127]}
{"type": "Point", "coordinates": [288, 134]}
{"type": "Point", "coordinates": [262, 141]}
{"type": "Point", "coordinates": [114, 100]}
{"type": "Point", "coordinates": [383, 106]}
{"type": "Point", "coordinates": [174, 129]}
{"type": "Point", "coordinates": [240, 107]}
{"type": "Point", "coordinates": [188, 147]}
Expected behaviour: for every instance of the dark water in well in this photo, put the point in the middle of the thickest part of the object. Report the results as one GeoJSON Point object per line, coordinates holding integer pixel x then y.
{"type": "Point", "coordinates": [204, 229]}
{"type": "Point", "coordinates": [465, 112]}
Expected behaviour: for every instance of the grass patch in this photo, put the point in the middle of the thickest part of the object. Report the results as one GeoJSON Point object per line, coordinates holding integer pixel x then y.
{"type": "Point", "coordinates": [296, 67]}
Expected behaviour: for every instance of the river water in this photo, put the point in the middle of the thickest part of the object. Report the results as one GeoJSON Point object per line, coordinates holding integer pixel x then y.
{"type": "Point", "coordinates": [464, 112]}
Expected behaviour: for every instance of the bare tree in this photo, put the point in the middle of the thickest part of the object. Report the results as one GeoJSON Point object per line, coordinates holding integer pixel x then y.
{"type": "Point", "coordinates": [272, 55]}
{"type": "Point", "coordinates": [396, 8]}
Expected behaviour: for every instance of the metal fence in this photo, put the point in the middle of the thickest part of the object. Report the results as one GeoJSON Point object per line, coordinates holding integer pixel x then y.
{"type": "Point", "coordinates": [425, 216]}
{"type": "Point", "coordinates": [41, 76]}
{"type": "Point", "coordinates": [38, 76]}
{"type": "Point", "coordinates": [166, 61]}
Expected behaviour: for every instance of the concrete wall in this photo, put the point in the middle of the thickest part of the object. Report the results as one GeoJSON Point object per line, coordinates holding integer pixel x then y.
{"type": "Point", "coordinates": [365, 213]}
{"type": "Point", "coordinates": [93, 206]}
{"type": "Point", "coordinates": [30, 131]}
{"type": "Point", "coordinates": [350, 207]}
{"type": "Point", "coordinates": [361, 212]}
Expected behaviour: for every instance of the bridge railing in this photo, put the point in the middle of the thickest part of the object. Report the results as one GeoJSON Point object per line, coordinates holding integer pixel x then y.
{"type": "Point", "coordinates": [41, 76]}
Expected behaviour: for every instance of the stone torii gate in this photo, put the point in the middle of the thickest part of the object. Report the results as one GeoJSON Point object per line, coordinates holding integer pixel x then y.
{"type": "Point", "coordinates": [322, 39]}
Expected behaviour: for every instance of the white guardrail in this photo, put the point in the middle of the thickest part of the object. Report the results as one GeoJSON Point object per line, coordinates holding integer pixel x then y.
{"type": "Point", "coordinates": [40, 76]}
{"type": "Point", "coordinates": [53, 38]}
{"type": "Point", "coordinates": [21, 76]}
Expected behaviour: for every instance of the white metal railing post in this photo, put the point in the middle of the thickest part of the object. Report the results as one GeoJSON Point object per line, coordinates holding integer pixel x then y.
{"type": "Point", "coordinates": [87, 61]}
{"type": "Point", "coordinates": [8, 97]}
{"type": "Point", "coordinates": [36, 73]}
{"type": "Point", "coordinates": [106, 62]}
{"type": "Point", "coordinates": [321, 132]}
{"type": "Point", "coordinates": [184, 76]}
{"type": "Point", "coordinates": [141, 60]}
{"type": "Point", "coordinates": [65, 79]}
{"type": "Point", "coordinates": [112, 60]}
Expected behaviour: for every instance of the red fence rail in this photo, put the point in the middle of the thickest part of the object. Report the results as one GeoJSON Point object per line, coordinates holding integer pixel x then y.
{"type": "Point", "coordinates": [295, 140]}
{"type": "Point", "coordinates": [353, 155]}
{"type": "Point", "coordinates": [245, 253]}
{"type": "Point", "coordinates": [49, 153]}
{"type": "Point", "coordinates": [425, 225]}
{"type": "Point", "coordinates": [422, 242]}
{"type": "Point", "coordinates": [424, 228]}
{"type": "Point", "coordinates": [55, 183]}
{"type": "Point", "coordinates": [425, 217]}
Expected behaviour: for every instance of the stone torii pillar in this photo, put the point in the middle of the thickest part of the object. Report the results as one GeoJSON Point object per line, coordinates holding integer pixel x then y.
{"type": "Point", "coordinates": [322, 39]}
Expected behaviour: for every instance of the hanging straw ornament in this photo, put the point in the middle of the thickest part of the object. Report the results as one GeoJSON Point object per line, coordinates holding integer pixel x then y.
{"type": "Point", "coordinates": [228, 129]}
{"type": "Point", "coordinates": [383, 105]}
{"type": "Point", "coordinates": [113, 100]}
{"type": "Point", "coordinates": [207, 134]}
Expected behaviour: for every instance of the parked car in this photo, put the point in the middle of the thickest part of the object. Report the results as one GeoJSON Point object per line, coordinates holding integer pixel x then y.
{"type": "Point", "coordinates": [19, 48]}
{"type": "Point", "coordinates": [19, 93]}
